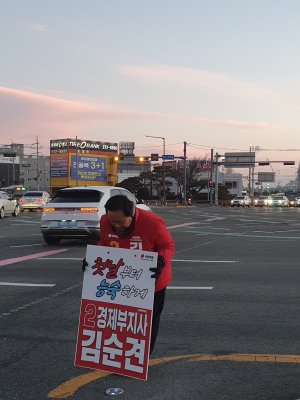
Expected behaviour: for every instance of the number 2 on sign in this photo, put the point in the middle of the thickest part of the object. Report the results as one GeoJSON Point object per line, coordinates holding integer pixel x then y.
{"type": "Point", "coordinates": [136, 246]}
{"type": "Point", "coordinates": [90, 314]}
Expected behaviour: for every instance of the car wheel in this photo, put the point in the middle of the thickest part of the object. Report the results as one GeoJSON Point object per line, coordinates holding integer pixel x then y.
{"type": "Point", "coordinates": [16, 211]}
{"type": "Point", "coordinates": [52, 240]}
{"type": "Point", "coordinates": [2, 213]}
{"type": "Point", "coordinates": [248, 205]}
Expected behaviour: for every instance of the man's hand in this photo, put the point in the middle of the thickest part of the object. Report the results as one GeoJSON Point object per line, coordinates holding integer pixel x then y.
{"type": "Point", "coordinates": [158, 269]}
{"type": "Point", "coordinates": [84, 264]}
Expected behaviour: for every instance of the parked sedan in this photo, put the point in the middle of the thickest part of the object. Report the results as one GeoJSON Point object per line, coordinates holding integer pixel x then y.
{"type": "Point", "coordinates": [278, 201]}
{"type": "Point", "coordinates": [8, 206]}
{"type": "Point", "coordinates": [74, 213]}
{"type": "Point", "coordinates": [35, 200]}
{"type": "Point", "coordinates": [241, 201]}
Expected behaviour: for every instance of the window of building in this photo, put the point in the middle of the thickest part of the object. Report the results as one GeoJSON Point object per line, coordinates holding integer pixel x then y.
{"type": "Point", "coordinates": [231, 185]}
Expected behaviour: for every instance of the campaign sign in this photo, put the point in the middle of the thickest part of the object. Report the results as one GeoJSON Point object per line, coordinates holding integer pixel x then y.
{"type": "Point", "coordinates": [88, 168]}
{"type": "Point", "coordinates": [116, 311]}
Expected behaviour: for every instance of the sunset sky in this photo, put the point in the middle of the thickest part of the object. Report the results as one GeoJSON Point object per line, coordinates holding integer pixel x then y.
{"type": "Point", "coordinates": [221, 74]}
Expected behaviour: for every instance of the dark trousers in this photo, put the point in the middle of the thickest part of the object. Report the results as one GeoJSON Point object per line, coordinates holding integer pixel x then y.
{"type": "Point", "coordinates": [158, 305]}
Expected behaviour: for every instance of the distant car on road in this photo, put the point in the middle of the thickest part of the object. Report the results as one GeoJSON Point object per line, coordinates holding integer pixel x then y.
{"type": "Point", "coordinates": [261, 201]}
{"type": "Point", "coordinates": [297, 202]}
{"type": "Point", "coordinates": [241, 201]}
{"type": "Point", "coordinates": [278, 201]}
{"type": "Point", "coordinates": [8, 206]}
{"type": "Point", "coordinates": [74, 213]}
{"type": "Point", "coordinates": [34, 200]}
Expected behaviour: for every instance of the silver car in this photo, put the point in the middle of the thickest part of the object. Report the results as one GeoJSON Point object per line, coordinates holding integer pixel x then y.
{"type": "Point", "coordinates": [241, 201]}
{"type": "Point", "coordinates": [34, 200]}
{"type": "Point", "coordinates": [75, 213]}
{"type": "Point", "coordinates": [261, 201]}
{"type": "Point", "coordinates": [8, 206]}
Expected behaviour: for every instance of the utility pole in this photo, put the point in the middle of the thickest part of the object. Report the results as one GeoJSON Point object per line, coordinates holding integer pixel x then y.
{"type": "Point", "coordinates": [184, 172]}
{"type": "Point", "coordinates": [163, 164]}
{"type": "Point", "coordinates": [211, 176]}
{"type": "Point", "coordinates": [216, 180]}
{"type": "Point", "coordinates": [14, 177]}
{"type": "Point", "coordinates": [37, 164]}
{"type": "Point", "coordinates": [76, 163]}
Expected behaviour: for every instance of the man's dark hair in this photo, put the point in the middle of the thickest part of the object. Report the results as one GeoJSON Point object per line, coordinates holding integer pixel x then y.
{"type": "Point", "coordinates": [120, 203]}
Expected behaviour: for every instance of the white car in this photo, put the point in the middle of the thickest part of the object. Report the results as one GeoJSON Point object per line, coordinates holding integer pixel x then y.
{"type": "Point", "coordinates": [278, 201]}
{"type": "Point", "coordinates": [8, 206]}
{"type": "Point", "coordinates": [75, 213]}
{"type": "Point", "coordinates": [34, 200]}
{"type": "Point", "coordinates": [241, 201]}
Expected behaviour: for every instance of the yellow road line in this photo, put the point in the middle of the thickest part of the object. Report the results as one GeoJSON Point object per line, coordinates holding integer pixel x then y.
{"type": "Point", "coordinates": [68, 388]}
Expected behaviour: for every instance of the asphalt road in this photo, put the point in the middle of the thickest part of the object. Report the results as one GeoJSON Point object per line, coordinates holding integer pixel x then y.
{"type": "Point", "coordinates": [234, 334]}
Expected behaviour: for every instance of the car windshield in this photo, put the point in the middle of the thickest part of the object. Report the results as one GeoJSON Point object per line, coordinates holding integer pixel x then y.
{"type": "Point", "coordinates": [77, 196]}
{"type": "Point", "coordinates": [278, 198]}
{"type": "Point", "coordinates": [33, 194]}
{"type": "Point", "coordinates": [262, 197]}
{"type": "Point", "coordinates": [239, 198]}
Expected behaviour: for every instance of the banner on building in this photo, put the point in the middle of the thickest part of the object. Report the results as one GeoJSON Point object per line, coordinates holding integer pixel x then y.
{"type": "Point", "coordinates": [116, 311]}
{"type": "Point", "coordinates": [88, 168]}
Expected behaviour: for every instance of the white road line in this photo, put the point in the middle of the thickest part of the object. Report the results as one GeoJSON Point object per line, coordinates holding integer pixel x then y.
{"type": "Point", "coordinates": [194, 247]}
{"type": "Point", "coordinates": [29, 245]}
{"type": "Point", "coordinates": [190, 287]}
{"type": "Point", "coordinates": [27, 284]}
{"type": "Point", "coordinates": [224, 229]}
{"type": "Point", "coordinates": [294, 230]}
{"type": "Point", "coordinates": [204, 261]}
{"type": "Point", "coordinates": [18, 224]}
{"type": "Point", "coordinates": [261, 232]}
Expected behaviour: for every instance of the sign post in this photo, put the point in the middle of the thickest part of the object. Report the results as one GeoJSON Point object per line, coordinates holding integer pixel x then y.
{"type": "Point", "coordinates": [116, 311]}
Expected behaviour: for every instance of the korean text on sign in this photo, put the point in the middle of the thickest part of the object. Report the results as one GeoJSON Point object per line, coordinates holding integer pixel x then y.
{"type": "Point", "coordinates": [116, 311]}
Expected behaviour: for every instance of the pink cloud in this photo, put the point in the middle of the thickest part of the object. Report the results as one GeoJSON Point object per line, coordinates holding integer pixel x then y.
{"type": "Point", "coordinates": [196, 79]}
{"type": "Point", "coordinates": [26, 114]}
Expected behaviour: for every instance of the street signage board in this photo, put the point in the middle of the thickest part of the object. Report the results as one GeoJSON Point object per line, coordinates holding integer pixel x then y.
{"type": "Point", "coordinates": [116, 311]}
{"type": "Point", "coordinates": [167, 157]}
{"type": "Point", "coordinates": [266, 177]}
{"type": "Point", "coordinates": [240, 160]}
{"type": "Point", "coordinates": [154, 157]}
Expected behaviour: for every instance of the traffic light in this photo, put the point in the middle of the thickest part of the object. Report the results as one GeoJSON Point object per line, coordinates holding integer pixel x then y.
{"type": "Point", "coordinates": [141, 159]}
{"type": "Point", "coordinates": [210, 183]}
{"type": "Point", "coordinates": [264, 163]}
{"type": "Point", "coordinates": [118, 158]}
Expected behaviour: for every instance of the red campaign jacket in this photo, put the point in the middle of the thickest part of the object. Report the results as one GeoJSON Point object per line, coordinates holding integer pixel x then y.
{"type": "Point", "coordinates": [149, 234]}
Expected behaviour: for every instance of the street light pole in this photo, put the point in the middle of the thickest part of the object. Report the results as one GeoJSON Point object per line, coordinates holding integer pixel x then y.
{"type": "Point", "coordinates": [163, 165]}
